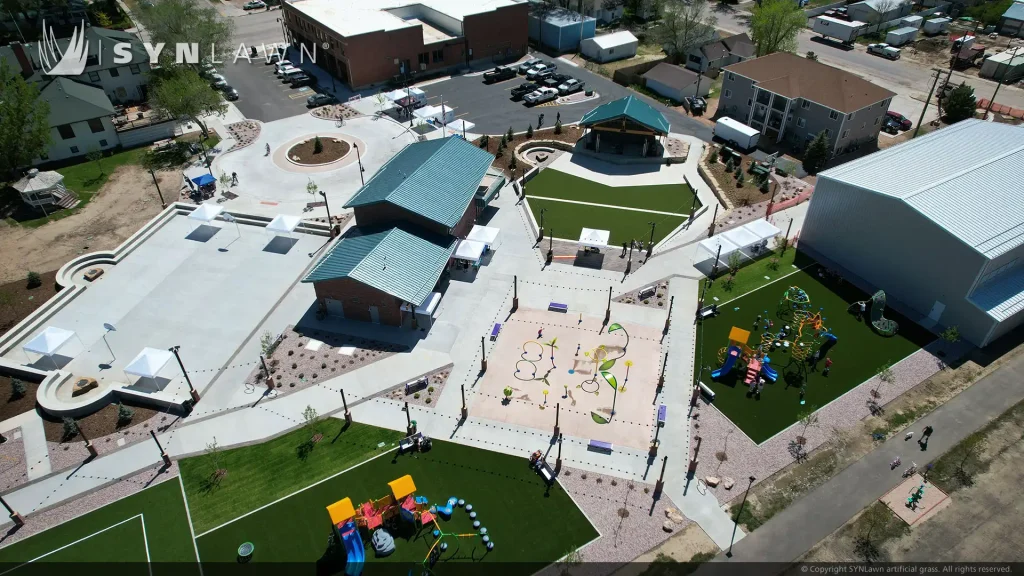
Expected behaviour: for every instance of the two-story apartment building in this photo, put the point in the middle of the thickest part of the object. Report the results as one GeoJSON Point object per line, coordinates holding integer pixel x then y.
{"type": "Point", "coordinates": [791, 98]}
{"type": "Point", "coordinates": [366, 42]}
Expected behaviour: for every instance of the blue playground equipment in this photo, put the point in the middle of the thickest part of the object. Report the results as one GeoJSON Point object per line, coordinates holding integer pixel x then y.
{"type": "Point", "coordinates": [731, 355]}
{"type": "Point", "coordinates": [768, 371]}
{"type": "Point", "coordinates": [355, 555]}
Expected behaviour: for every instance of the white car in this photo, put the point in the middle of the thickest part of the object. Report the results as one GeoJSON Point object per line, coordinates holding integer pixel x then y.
{"type": "Point", "coordinates": [280, 65]}
{"type": "Point", "coordinates": [254, 5]}
{"type": "Point", "coordinates": [570, 86]}
{"type": "Point", "coordinates": [884, 50]}
{"type": "Point", "coordinates": [539, 68]}
{"type": "Point", "coordinates": [545, 94]}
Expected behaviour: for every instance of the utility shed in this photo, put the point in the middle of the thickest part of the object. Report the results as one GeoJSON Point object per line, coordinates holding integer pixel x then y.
{"type": "Point", "coordinates": [614, 46]}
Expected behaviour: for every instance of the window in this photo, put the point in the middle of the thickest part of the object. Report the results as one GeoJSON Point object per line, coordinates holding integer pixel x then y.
{"type": "Point", "coordinates": [103, 143]}
{"type": "Point", "coordinates": [800, 122]}
{"type": "Point", "coordinates": [424, 58]}
{"type": "Point", "coordinates": [728, 94]}
{"type": "Point", "coordinates": [846, 134]}
{"type": "Point", "coordinates": [74, 149]}
{"type": "Point", "coordinates": [114, 73]}
{"type": "Point", "coordinates": [66, 131]}
{"type": "Point", "coordinates": [731, 77]}
{"type": "Point", "coordinates": [611, 50]}
{"type": "Point", "coordinates": [750, 101]}
{"type": "Point", "coordinates": [134, 68]}
{"type": "Point", "coordinates": [877, 120]}
{"type": "Point", "coordinates": [997, 271]}
{"type": "Point", "coordinates": [828, 133]}
{"type": "Point", "coordinates": [805, 104]}
{"type": "Point", "coordinates": [833, 115]}
{"type": "Point", "coordinates": [94, 76]}
{"type": "Point", "coordinates": [438, 55]}
{"type": "Point", "coordinates": [850, 115]}
{"type": "Point", "coordinates": [96, 125]}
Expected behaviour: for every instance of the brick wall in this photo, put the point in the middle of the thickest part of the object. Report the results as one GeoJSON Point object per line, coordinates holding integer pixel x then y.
{"type": "Point", "coordinates": [356, 299]}
{"type": "Point", "coordinates": [385, 213]}
{"type": "Point", "coordinates": [465, 224]}
{"type": "Point", "coordinates": [497, 34]}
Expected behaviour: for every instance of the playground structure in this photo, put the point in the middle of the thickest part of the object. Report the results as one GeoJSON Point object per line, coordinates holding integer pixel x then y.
{"type": "Point", "coordinates": [879, 322]}
{"type": "Point", "coordinates": [915, 497]}
{"type": "Point", "coordinates": [402, 506]}
{"type": "Point", "coordinates": [755, 360]}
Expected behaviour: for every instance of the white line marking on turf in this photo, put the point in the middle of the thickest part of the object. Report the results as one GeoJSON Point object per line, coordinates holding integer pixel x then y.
{"type": "Point", "coordinates": [608, 206]}
{"type": "Point", "coordinates": [145, 542]}
{"type": "Point", "coordinates": [79, 541]}
{"type": "Point", "coordinates": [191, 528]}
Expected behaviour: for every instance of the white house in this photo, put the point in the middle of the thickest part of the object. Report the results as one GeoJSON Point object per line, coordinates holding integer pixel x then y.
{"type": "Point", "coordinates": [615, 46]}
{"type": "Point", "coordinates": [676, 83]}
{"type": "Point", "coordinates": [878, 11]}
{"type": "Point", "coordinates": [80, 120]}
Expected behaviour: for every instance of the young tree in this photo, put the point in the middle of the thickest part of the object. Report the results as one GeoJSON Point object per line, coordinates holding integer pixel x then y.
{"type": "Point", "coordinates": [961, 103]}
{"type": "Point", "coordinates": [685, 26]}
{"type": "Point", "coordinates": [213, 451]}
{"type": "Point", "coordinates": [224, 179]}
{"type": "Point", "coordinates": [510, 136]}
{"type": "Point", "coordinates": [573, 558]}
{"type": "Point", "coordinates": [24, 124]}
{"type": "Point", "coordinates": [529, 131]}
{"type": "Point", "coordinates": [775, 24]}
{"type": "Point", "coordinates": [734, 261]}
{"type": "Point", "coordinates": [70, 428]}
{"type": "Point", "coordinates": [96, 155]}
{"type": "Point", "coordinates": [18, 389]}
{"type": "Point", "coordinates": [311, 418]}
{"type": "Point", "coordinates": [807, 418]}
{"type": "Point", "coordinates": [558, 127]}
{"type": "Point", "coordinates": [266, 342]}
{"type": "Point", "coordinates": [182, 93]}
{"type": "Point", "coordinates": [124, 415]}
{"type": "Point", "coordinates": [885, 376]}
{"type": "Point", "coordinates": [811, 55]}
{"type": "Point", "coordinates": [817, 153]}
{"type": "Point", "coordinates": [485, 141]}
{"type": "Point", "coordinates": [318, 145]}
{"type": "Point", "coordinates": [187, 21]}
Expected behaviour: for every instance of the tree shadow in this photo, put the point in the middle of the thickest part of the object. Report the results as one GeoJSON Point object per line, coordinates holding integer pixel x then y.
{"type": "Point", "coordinates": [304, 450]}
{"type": "Point", "coordinates": [865, 548]}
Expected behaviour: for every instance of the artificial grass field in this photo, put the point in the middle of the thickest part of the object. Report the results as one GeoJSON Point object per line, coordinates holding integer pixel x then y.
{"type": "Point", "coordinates": [529, 523]}
{"type": "Point", "coordinates": [566, 220]}
{"type": "Point", "coordinates": [675, 198]}
{"type": "Point", "coordinates": [857, 355]}
{"type": "Point", "coordinates": [121, 540]}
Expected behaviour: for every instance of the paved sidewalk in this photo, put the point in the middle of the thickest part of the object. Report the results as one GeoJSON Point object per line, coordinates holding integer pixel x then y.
{"type": "Point", "coordinates": [798, 528]}
{"type": "Point", "coordinates": [33, 436]}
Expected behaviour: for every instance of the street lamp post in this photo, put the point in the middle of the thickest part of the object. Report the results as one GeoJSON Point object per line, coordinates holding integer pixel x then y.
{"type": "Point", "coordinates": [158, 192]}
{"type": "Point", "coordinates": [650, 244]}
{"type": "Point", "coordinates": [88, 443]}
{"type": "Point", "coordinates": [330, 221]}
{"type": "Point", "coordinates": [163, 453]}
{"type": "Point", "coordinates": [359, 159]}
{"type": "Point", "coordinates": [348, 415]}
{"type": "Point", "coordinates": [736, 519]}
{"type": "Point", "coordinates": [541, 233]}
{"type": "Point", "coordinates": [194, 393]}
{"type": "Point", "coordinates": [551, 245]}
{"type": "Point", "coordinates": [18, 519]}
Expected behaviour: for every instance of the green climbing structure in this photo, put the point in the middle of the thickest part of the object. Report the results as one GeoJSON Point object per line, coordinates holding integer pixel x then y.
{"type": "Point", "coordinates": [882, 325]}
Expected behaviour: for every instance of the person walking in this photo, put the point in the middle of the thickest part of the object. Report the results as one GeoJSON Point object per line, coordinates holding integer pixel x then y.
{"type": "Point", "coordinates": [814, 360]}
{"type": "Point", "coordinates": [540, 333]}
{"type": "Point", "coordinates": [540, 121]}
{"type": "Point", "coordinates": [828, 366]}
{"type": "Point", "coordinates": [928, 431]}
{"type": "Point", "coordinates": [268, 150]}
{"type": "Point", "coordinates": [234, 178]}
{"type": "Point", "coordinates": [558, 117]}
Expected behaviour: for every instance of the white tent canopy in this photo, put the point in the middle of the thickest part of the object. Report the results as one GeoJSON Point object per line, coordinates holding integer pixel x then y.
{"type": "Point", "coordinates": [283, 224]}
{"type": "Point", "coordinates": [404, 93]}
{"type": "Point", "coordinates": [594, 238]}
{"type": "Point", "coordinates": [707, 248]}
{"type": "Point", "coordinates": [469, 250]}
{"type": "Point", "coordinates": [435, 113]}
{"type": "Point", "coordinates": [206, 212]}
{"type": "Point", "coordinates": [741, 237]}
{"type": "Point", "coordinates": [764, 229]}
{"type": "Point", "coordinates": [460, 125]}
{"type": "Point", "coordinates": [737, 239]}
{"type": "Point", "coordinates": [49, 341]}
{"type": "Point", "coordinates": [484, 234]}
{"type": "Point", "coordinates": [148, 363]}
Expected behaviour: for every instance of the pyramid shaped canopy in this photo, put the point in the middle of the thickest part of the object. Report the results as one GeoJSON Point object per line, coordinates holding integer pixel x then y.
{"type": "Point", "coordinates": [206, 212]}
{"type": "Point", "coordinates": [49, 341]}
{"type": "Point", "coordinates": [284, 224]}
{"type": "Point", "coordinates": [148, 363]}
{"type": "Point", "coordinates": [594, 238]}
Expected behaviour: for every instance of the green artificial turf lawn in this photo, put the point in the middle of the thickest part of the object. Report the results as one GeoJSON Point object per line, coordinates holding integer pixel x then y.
{"type": "Point", "coordinates": [675, 198]}
{"type": "Point", "coordinates": [857, 355]}
{"type": "Point", "coordinates": [750, 276]}
{"type": "Point", "coordinates": [167, 532]}
{"type": "Point", "coordinates": [528, 522]}
{"type": "Point", "coordinates": [260, 474]}
{"type": "Point", "coordinates": [565, 220]}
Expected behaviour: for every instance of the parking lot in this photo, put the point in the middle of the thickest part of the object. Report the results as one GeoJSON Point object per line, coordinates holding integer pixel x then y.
{"type": "Point", "coordinates": [262, 95]}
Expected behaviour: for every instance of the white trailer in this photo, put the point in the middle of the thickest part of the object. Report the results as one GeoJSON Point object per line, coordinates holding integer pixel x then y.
{"type": "Point", "coordinates": [841, 30]}
{"type": "Point", "coordinates": [912, 21]}
{"type": "Point", "coordinates": [901, 36]}
{"type": "Point", "coordinates": [736, 133]}
{"type": "Point", "coordinates": [936, 26]}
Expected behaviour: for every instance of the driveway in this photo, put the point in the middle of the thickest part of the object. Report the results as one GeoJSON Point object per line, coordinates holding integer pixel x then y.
{"type": "Point", "coordinates": [489, 106]}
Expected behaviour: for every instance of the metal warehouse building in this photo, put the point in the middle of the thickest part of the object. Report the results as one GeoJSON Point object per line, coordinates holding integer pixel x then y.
{"type": "Point", "coordinates": [936, 222]}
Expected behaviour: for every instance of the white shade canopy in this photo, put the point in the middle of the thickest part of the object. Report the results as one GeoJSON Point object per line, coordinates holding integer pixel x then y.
{"type": "Point", "coordinates": [763, 229]}
{"type": "Point", "coordinates": [707, 248]}
{"type": "Point", "coordinates": [206, 212]}
{"type": "Point", "coordinates": [484, 234]}
{"type": "Point", "coordinates": [470, 250]}
{"type": "Point", "coordinates": [404, 93]}
{"type": "Point", "coordinates": [594, 238]}
{"type": "Point", "coordinates": [428, 306]}
{"type": "Point", "coordinates": [148, 363]}
{"type": "Point", "coordinates": [435, 113]}
{"type": "Point", "coordinates": [461, 125]}
{"type": "Point", "coordinates": [283, 224]}
{"type": "Point", "coordinates": [741, 237]}
{"type": "Point", "coordinates": [49, 341]}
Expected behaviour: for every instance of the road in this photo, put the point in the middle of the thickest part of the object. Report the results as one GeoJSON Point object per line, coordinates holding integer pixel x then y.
{"type": "Point", "coordinates": [798, 528]}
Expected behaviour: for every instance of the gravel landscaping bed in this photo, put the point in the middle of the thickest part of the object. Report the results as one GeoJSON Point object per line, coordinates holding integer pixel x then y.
{"type": "Point", "coordinates": [569, 135]}
{"type": "Point", "coordinates": [621, 512]}
{"type": "Point", "coordinates": [726, 451]}
{"type": "Point", "coordinates": [659, 300]}
{"type": "Point", "coordinates": [13, 467]}
{"type": "Point", "coordinates": [65, 455]}
{"type": "Point", "coordinates": [335, 112]}
{"type": "Point", "coordinates": [426, 397]}
{"type": "Point", "coordinates": [244, 133]}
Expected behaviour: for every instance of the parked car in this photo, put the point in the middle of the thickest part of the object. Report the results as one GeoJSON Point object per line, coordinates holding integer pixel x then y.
{"type": "Point", "coordinates": [542, 68]}
{"type": "Point", "coordinates": [320, 100]}
{"type": "Point", "coordinates": [542, 95]}
{"type": "Point", "coordinates": [523, 89]}
{"type": "Point", "coordinates": [280, 65]}
{"type": "Point", "coordinates": [891, 126]}
{"type": "Point", "coordinates": [303, 80]}
{"type": "Point", "coordinates": [884, 50]}
{"type": "Point", "coordinates": [230, 94]}
{"type": "Point", "coordinates": [218, 81]}
{"type": "Point", "coordinates": [543, 75]}
{"type": "Point", "coordinates": [903, 122]}
{"type": "Point", "coordinates": [275, 57]}
{"type": "Point", "coordinates": [208, 70]}
{"type": "Point", "coordinates": [555, 79]}
{"type": "Point", "coordinates": [529, 64]}
{"type": "Point", "coordinates": [570, 86]}
{"type": "Point", "coordinates": [254, 5]}
{"type": "Point", "coordinates": [498, 74]}
{"type": "Point", "coordinates": [695, 104]}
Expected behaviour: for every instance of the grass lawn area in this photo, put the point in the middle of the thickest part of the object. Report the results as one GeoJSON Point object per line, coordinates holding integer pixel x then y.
{"type": "Point", "coordinates": [87, 176]}
{"type": "Point", "coordinates": [567, 220]}
{"type": "Point", "coordinates": [114, 533]}
{"type": "Point", "coordinates": [857, 354]}
{"type": "Point", "coordinates": [750, 276]}
{"type": "Point", "coordinates": [675, 198]}
{"type": "Point", "coordinates": [258, 475]}
{"type": "Point", "coordinates": [530, 524]}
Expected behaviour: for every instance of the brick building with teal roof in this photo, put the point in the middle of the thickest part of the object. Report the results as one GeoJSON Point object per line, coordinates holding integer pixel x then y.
{"type": "Point", "coordinates": [408, 220]}
{"type": "Point", "coordinates": [627, 126]}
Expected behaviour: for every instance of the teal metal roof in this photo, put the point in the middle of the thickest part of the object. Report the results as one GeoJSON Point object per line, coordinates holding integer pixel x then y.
{"type": "Point", "coordinates": [402, 261]}
{"type": "Point", "coordinates": [436, 179]}
{"type": "Point", "coordinates": [630, 107]}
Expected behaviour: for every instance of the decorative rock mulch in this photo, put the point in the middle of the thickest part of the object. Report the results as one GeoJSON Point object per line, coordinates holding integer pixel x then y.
{"type": "Point", "coordinates": [335, 112]}
{"type": "Point", "coordinates": [244, 133]}
{"type": "Point", "coordinates": [659, 300]}
{"type": "Point", "coordinates": [426, 397]}
{"type": "Point", "coordinates": [621, 511]}
{"type": "Point", "coordinates": [340, 219]}
{"type": "Point", "coordinates": [66, 455]}
{"type": "Point", "coordinates": [304, 359]}
{"type": "Point", "coordinates": [13, 467]}
{"type": "Point", "coordinates": [677, 148]}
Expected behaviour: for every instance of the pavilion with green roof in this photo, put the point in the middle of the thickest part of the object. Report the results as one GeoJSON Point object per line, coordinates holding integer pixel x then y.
{"type": "Point", "coordinates": [627, 126]}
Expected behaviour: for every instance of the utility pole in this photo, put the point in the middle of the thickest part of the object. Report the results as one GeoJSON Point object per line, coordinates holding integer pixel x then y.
{"type": "Point", "coordinates": [161, 194]}
{"type": "Point", "coordinates": [608, 310]}
{"type": "Point", "coordinates": [1002, 77]}
{"type": "Point", "coordinates": [926, 101]}
{"type": "Point", "coordinates": [465, 412]}
{"type": "Point", "coordinates": [515, 293]}
{"type": "Point", "coordinates": [483, 354]}
{"type": "Point", "coordinates": [771, 201]}
{"type": "Point", "coordinates": [711, 229]}
{"type": "Point", "coordinates": [348, 415]}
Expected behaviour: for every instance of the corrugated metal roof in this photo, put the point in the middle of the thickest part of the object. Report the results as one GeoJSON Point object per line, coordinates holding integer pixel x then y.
{"type": "Point", "coordinates": [436, 179]}
{"type": "Point", "coordinates": [633, 108]}
{"type": "Point", "coordinates": [967, 178]}
{"type": "Point", "coordinates": [1003, 297]}
{"type": "Point", "coordinates": [72, 101]}
{"type": "Point", "coordinates": [615, 39]}
{"type": "Point", "coordinates": [1015, 11]}
{"type": "Point", "coordinates": [402, 261]}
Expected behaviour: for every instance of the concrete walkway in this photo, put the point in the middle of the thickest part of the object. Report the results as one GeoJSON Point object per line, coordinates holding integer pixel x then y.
{"type": "Point", "coordinates": [795, 530]}
{"type": "Point", "coordinates": [33, 436]}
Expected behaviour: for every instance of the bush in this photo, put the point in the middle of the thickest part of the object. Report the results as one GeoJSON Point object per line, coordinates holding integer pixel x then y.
{"type": "Point", "coordinates": [558, 127]}
{"type": "Point", "coordinates": [124, 414]}
{"type": "Point", "coordinates": [430, 390]}
{"type": "Point", "coordinates": [740, 179]}
{"type": "Point", "coordinates": [511, 135]}
{"type": "Point", "coordinates": [764, 186]}
{"type": "Point", "coordinates": [427, 400]}
{"type": "Point", "coordinates": [416, 395]}
{"type": "Point", "coordinates": [34, 279]}
{"type": "Point", "coordinates": [318, 146]}
{"type": "Point", "coordinates": [730, 166]}
{"type": "Point", "coordinates": [17, 388]}
{"type": "Point", "coordinates": [529, 131]}
{"type": "Point", "coordinates": [713, 156]}
{"type": "Point", "coordinates": [485, 141]}
{"type": "Point", "coordinates": [773, 264]}
{"type": "Point", "coordinates": [961, 103]}
{"type": "Point", "coordinates": [70, 428]}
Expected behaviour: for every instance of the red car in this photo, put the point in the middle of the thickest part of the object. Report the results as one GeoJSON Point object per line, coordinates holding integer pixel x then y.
{"type": "Point", "coordinates": [902, 120]}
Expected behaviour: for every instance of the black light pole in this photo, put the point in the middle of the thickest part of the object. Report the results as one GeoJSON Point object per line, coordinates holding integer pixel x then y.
{"type": "Point", "coordinates": [18, 519]}
{"type": "Point", "coordinates": [158, 192]}
{"type": "Point", "coordinates": [515, 293]}
{"type": "Point", "coordinates": [359, 159]}
{"type": "Point", "coordinates": [551, 245]}
{"type": "Point", "coordinates": [608, 310]}
{"type": "Point", "coordinates": [348, 415]}
{"type": "Point", "coordinates": [192, 390]}
{"type": "Point", "coordinates": [541, 233]}
{"type": "Point", "coordinates": [163, 453]}
{"type": "Point", "coordinates": [736, 520]}
{"type": "Point", "coordinates": [465, 412]}
{"type": "Point", "coordinates": [668, 319]}
{"type": "Point", "coordinates": [483, 354]}
{"type": "Point", "coordinates": [650, 244]}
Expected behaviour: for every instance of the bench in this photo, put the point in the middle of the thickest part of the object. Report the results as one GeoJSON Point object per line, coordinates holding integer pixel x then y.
{"type": "Point", "coordinates": [495, 331]}
{"type": "Point", "coordinates": [662, 413]}
{"type": "Point", "coordinates": [705, 390]}
{"type": "Point", "coordinates": [599, 446]}
{"type": "Point", "coordinates": [415, 386]}
{"type": "Point", "coordinates": [546, 472]}
{"type": "Point", "coordinates": [556, 307]}
{"type": "Point", "coordinates": [647, 292]}
{"type": "Point", "coordinates": [708, 311]}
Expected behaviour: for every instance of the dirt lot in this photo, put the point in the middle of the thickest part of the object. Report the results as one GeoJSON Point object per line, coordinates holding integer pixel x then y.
{"type": "Point", "coordinates": [126, 202]}
{"type": "Point", "coordinates": [17, 300]}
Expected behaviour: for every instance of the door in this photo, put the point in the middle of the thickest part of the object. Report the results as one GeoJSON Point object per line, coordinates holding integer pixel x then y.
{"type": "Point", "coordinates": [936, 313]}
{"type": "Point", "coordinates": [374, 315]}
{"type": "Point", "coordinates": [334, 307]}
